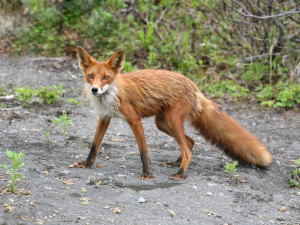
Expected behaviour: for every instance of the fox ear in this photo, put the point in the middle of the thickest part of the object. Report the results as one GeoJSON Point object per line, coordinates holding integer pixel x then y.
{"type": "Point", "coordinates": [85, 60]}
{"type": "Point", "coordinates": [116, 61]}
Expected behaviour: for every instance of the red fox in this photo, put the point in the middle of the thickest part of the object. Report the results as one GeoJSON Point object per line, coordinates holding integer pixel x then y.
{"type": "Point", "coordinates": [172, 98]}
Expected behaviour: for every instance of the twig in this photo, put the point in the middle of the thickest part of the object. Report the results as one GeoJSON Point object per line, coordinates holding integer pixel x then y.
{"type": "Point", "coordinates": [282, 14]}
{"type": "Point", "coordinates": [7, 98]}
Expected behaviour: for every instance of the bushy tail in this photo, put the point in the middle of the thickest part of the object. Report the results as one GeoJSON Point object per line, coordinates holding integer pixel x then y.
{"type": "Point", "coordinates": [222, 130]}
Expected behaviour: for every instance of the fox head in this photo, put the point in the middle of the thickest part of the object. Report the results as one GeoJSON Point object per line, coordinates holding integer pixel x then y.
{"type": "Point", "coordinates": [100, 75]}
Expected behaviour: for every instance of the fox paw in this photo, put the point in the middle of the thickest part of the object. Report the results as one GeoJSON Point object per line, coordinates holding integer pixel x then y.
{"type": "Point", "coordinates": [81, 165]}
{"type": "Point", "coordinates": [178, 176]}
{"type": "Point", "coordinates": [146, 177]}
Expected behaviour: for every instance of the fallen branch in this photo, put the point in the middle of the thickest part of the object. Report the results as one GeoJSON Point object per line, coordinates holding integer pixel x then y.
{"type": "Point", "coordinates": [8, 97]}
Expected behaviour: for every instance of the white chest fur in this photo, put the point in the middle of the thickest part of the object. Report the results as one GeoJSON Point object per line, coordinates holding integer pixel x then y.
{"type": "Point", "coordinates": [105, 105]}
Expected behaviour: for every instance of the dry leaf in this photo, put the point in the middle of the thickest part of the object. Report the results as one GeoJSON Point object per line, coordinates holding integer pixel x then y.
{"type": "Point", "coordinates": [83, 189]}
{"type": "Point", "coordinates": [282, 209]}
{"type": "Point", "coordinates": [38, 221]}
{"type": "Point", "coordinates": [117, 211]}
{"type": "Point", "coordinates": [3, 191]}
{"type": "Point", "coordinates": [85, 203]}
{"type": "Point", "coordinates": [22, 218]}
{"type": "Point", "coordinates": [45, 172]}
{"type": "Point", "coordinates": [98, 165]}
{"type": "Point", "coordinates": [68, 182]}
{"type": "Point", "coordinates": [85, 199]}
{"type": "Point", "coordinates": [24, 192]}
{"type": "Point", "coordinates": [8, 207]}
{"type": "Point", "coordinates": [172, 213]}
{"type": "Point", "coordinates": [208, 212]}
{"type": "Point", "coordinates": [130, 153]}
{"type": "Point", "coordinates": [79, 156]}
{"type": "Point", "coordinates": [56, 211]}
{"type": "Point", "coordinates": [32, 204]}
{"type": "Point", "coordinates": [116, 139]}
{"type": "Point", "coordinates": [98, 182]}
{"type": "Point", "coordinates": [80, 217]}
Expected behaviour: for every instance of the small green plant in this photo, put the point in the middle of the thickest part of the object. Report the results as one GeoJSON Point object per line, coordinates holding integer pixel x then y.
{"type": "Point", "coordinates": [295, 180]}
{"type": "Point", "coordinates": [12, 170]}
{"type": "Point", "coordinates": [74, 101]}
{"type": "Point", "coordinates": [44, 94]}
{"type": "Point", "coordinates": [230, 168]}
{"type": "Point", "coordinates": [64, 123]}
{"type": "Point", "coordinates": [51, 94]}
{"type": "Point", "coordinates": [47, 134]}
{"type": "Point", "coordinates": [25, 95]}
{"type": "Point", "coordinates": [225, 87]}
{"type": "Point", "coordinates": [280, 95]}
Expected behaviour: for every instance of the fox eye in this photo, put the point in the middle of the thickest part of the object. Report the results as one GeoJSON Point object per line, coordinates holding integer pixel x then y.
{"type": "Point", "coordinates": [105, 77]}
{"type": "Point", "coordinates": [90, 76]}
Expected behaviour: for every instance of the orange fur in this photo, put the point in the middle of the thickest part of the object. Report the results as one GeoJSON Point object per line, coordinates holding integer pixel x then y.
{"type": "Point", "coordinates": [171, 98]}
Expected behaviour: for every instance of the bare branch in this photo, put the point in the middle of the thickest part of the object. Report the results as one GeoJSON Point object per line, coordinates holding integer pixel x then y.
{"type": "Point", "coordinates": [282, 14]}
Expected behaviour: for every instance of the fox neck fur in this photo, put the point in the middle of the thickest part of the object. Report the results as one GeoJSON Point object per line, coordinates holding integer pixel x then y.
{"type": "Point", "coordinates": [106, 105]}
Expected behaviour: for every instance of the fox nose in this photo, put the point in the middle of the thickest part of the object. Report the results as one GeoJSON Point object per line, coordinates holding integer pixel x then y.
{"type": "Point", "coordinates": [94, 90]}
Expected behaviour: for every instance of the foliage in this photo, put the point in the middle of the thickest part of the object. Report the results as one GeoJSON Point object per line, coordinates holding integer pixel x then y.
{"type": "Point", "coordinates": [64, 123]}
{"type": "Point", "coordinates": [12, 170]}
{"type": "Point", "coordinates": [25, 95]}
{"type": "Point", "coordinates": [47, 134]}
{"type": "Point", "coordinates": [45, 94]}
{"type": "Point", "coordinates": [295, 180]}
{"type": "Point", "coordinates": [230, 47]}
{"type": "Point", "coordinates": [225, 87]}
{"type": "Point", "coordinates": [74, 101]}
{"type": "Point", "coordinates": [280, 95]}
{"type": "Point", "coordinates": [51, 94]}
{"type": "Point", "coordinates": [230, 168]}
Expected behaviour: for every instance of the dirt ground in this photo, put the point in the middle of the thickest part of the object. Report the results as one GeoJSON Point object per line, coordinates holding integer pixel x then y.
{"type": "Point", "coordinates": [53, 193]}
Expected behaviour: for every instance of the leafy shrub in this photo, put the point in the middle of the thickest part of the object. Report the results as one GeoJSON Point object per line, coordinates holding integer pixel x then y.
{"type": "Point", "coordinates": [45, 94]}
{"type": "Point", "coordinates": [12, 170]}
{"type": "Point", "coordinates": [280, 95]}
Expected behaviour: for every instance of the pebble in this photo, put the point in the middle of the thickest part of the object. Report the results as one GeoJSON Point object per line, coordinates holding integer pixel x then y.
{"type": "Point", "coordinates": [63, 173]}
{"type": "Point", "coordinates": [122, 175]}
{"type": "Point", "coordinates": [279, 218]}
{"type": "Point", "coordinates": [209, 194]}
{"type": "Point", "coordinates": [195, 187]}
{"type": "Point", "coordinates": [141, 200]}
{"type": "Point", "coordinates": [48, 188]}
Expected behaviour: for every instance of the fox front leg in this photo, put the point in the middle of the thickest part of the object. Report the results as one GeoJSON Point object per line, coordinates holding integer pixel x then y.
{"type": "Point", "coordinates": [101, 130]}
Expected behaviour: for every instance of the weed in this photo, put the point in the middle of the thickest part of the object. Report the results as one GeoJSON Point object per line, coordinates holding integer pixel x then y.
{"type": "Point", "coordinates": [64, 123]}
{"type": "Point", "coordinates": [281, 95]}
{"type": "Point", "coordinates": [51, 94]}
{"type": "Point", "coordinates": [74, 101]}
{"type": "Point", "coordinates": [44, 94]}
{"type": "Point", "coordinates": [295, 179]}
{"type": "Point", "coordinates": [25, 95]}
{"type": "Point", "coordinates": [225, 87]}
{"type": "Point", "coordinates": [47, 134]}
{"type": "Point", "coordinates": [12, 170]}
{"type": "Point", "coordinates": [230, 168]}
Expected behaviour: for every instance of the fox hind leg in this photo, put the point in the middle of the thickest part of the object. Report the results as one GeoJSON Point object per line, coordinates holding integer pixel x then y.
{"type": "Point", "coordinates": [162, 126]}
{"type": "Point", "coordinates": [174, 117]}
